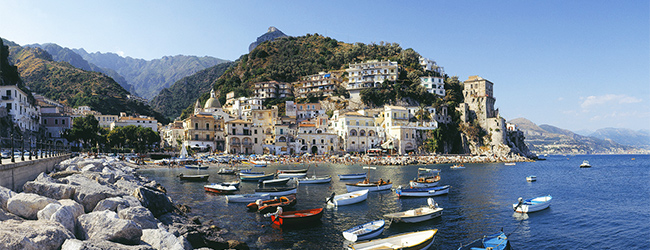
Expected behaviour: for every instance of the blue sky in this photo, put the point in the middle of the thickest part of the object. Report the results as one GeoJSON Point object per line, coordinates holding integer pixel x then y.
{"type": "Point", "coordinates": [578, 65]}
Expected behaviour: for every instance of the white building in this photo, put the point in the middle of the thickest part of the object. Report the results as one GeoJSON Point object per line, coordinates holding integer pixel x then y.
{"type": "Point", "coordinates": [369, 74]}
{"type": "Point", "coordinates": [430, 65]}
{"type": "Point", "coordinates": [313, 137]}
{"type": "Point", "coordinates": [272, 89]}
{"type": "Point", "coordinates": [433, 84]}
{"type": "Point", "coordinates": [357, 131]}
{"type": "Point", "coordinates": [140, 121]}
{"type": "Point", "coordinates": [323, 82]}
{"type": "Point", "coordinates": [17, 105]}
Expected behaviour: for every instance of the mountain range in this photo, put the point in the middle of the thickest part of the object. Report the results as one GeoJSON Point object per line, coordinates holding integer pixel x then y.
{"type": "Point", "coordinates": [547, 139]}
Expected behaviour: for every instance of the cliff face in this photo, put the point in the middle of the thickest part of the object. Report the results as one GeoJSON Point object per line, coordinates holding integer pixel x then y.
{"type": "Point", "coordinates": [272, 34]}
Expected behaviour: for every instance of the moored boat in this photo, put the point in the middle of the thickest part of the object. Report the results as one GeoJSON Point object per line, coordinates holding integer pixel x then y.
{"type": "Point", "coordinates": [417, 215]}
{"type": "Point", "coordinates": [292, 171]}
{"type": "Point", "coordinates": [258, 164]}
{"type": "Point", "coordinates": [531, 178]}
{"type": "Point", "coordinates": [370, 186]}
{"type": "Point", "coordinates": [220, 189]}
{"type": "Point", "coordinates": [365, 231]}
{"type": "Point", "coordinates": [426, 178]}
{"type": "Point", "coordinates": [422, 192]}
{"type": "Point", "coordinates": [347, 198]}
{"type": "Point", "coordinates": [315, 179]}
{"type": "Point", "coordinates": [295, 218]}
{"type": "Point", "coordinates": [292, 175]}
{"type": "Point", "coordinates": [196, 167]}
{"type": "Point", "coordinates": [532, 205]}
{"type": "Point", "coordinates": [229, 183]}
{"type": "Point", "coordinates": [256, 177]}
{"type": "Point", "coordinates": [276, 191]}
{"type": "Point", "coordinates": [227, 171]}
{"type": "Point", "coordinates": [353, 176]}
{"type": "Point", "coordinates": [510, 163]}
{"type": "Point", "coordinates": [415, 240]}
{"type": "Point", "coordinates": [275, 182]}
{"type": "Point", "coordinates": [457, 166]}
{"type": "Point", "coordinates": [266, 206]}
{"type": "Point", "coordinates": [247, 198]}
{"type": "Point", "coordinates": [497, 241]}
{"type": "Point", "coordinates": [196, 177]}
{"type": "Point", "coordinates": [585, 164]}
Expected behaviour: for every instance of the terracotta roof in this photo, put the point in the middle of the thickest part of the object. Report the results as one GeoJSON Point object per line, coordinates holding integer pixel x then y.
{"type": "Point", "coordinates": [238, 121]}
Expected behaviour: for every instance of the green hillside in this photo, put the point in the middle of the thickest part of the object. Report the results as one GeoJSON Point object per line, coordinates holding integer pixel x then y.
{"type": "Point", "coordinates": [74, 87]}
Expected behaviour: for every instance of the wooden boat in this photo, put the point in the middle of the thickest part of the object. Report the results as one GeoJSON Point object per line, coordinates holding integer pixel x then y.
{"type": "Point", "coordinates": [247, 198]}
{"type": "Point", "coordinates": [422, 192]}
{"type": "Point", "coordinates": [229, 183]}
{"type": "Point", "coordinates": [196, 177]}
{"type": "Point", "coordinates": [353, 176]}
{"type": "Point", "coordinates": [532, 205]}
{"type": "Point", "coordinates": [266, 206]}
{"type": "Point", "coordinates": [417, 215]}
{"type": "Point", "coordinates": [315, 180]}
{"type": "Point", "coordinates": [510, 163]}
{"type": "Point", "coordinates": [295, 218]}
{"type": "Point", "coordinates": [370, 186]}
{"type": "Point", "coordinates": [414, 240]}
{"type": "Point", "coordinates": [228, 171]}
{"type": "Point", "coordinates": [424, 181]}
{"type": "Point", "coordinates": [365, 231]}
{"type": "Point", "coordinates": [276, 191]}
{"type": "Point", "coordinates": [256, 177]}
{"type": "Point", "coordinates": [347, 198]}
{"type": "Point", "coordinates": [292, 171]}
{"type": "Point", "coordinates": [585, 164]}
{"type": "Point", "coordinates": [457, 166]}
{"type": "Point", "coordinates": [219, 189]}
{"type": "Point", "coordinates": [196, 167]}
{"type": "Point", "coordinates": [292, 175]}
{"type": "Point", "coordinates": [497, 241]}
{"type": "Point", "coordinates": [531, 178]}
{"type": "Point", "coordinates": [277, 182]}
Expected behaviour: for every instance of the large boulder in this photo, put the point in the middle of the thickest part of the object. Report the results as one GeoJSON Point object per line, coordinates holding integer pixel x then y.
{"type": "Point", "coordinates": [66, 214]}
{"type": "Point", "coordinates": [5, 194]}
{"type": "Point", "coordinates": [88, 192]}
{"type": "Point", "coordinates": [105, 225]}
{"type": "Point", "coordinates": [4, 215]}
{"type": "Point", "coordinates": [27, 205]}
{"type": "Point", "coordinates": [157, 202]}
{"type": "Point", "coordinates": [140, 215]}
{"type": "Point", "coordinates": [36, 235]}
{"type": "Point", "coordinates": [111, 204]}
{"type": "Point", "coordinates": [49, 189]}
{"type": "Point", "coordinates": [161, 239]}
{"type": "Point", "coordinates": [74, 244]}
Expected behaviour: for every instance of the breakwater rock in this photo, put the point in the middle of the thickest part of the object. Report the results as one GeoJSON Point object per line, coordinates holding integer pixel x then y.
{"type": "Point", "coordinates": [100, 203]}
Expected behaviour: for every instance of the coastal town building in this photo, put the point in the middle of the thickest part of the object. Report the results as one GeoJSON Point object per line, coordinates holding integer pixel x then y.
{"type": "Point", "coordinates": [323, 83]}
{"type": "Point", "coordinates": [172, 133]}
{"type": "Point", "coordinates": [138, 121]}
{"type": "Point", "coordinates": [22, 111]}
{"type": "Point", "coordinates": [358, 132]}
{"type": "Point", "coordinates": [243, 138]}
{"type": "Point", "coordinates": [272, 89]}
{"type": "Point", "coordinates": [303, 111]}
{"type": "Point", "coordinates": [479, 105]}
{"type": "Point", "coordinates": [369, 74]}
{"type": "Point", "coordinates": [241, 107]}
{"type": "Point", "coordinates": [431, 65]}
{"type": "Point", "coordinates": [53, 120]}
{"type": "Point", "coordinates": [433, 85]}
{"type": "Point", "coordinates": [313, 137]}
{"type": "Point", "coordinates": [203, 132]}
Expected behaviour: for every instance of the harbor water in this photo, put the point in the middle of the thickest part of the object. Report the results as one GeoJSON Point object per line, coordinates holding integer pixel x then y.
{"type": "Point", "coordinates": [606, 206]}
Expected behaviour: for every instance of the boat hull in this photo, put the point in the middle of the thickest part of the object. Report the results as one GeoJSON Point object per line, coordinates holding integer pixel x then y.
{"type": "Point", "coordinates": [195, 178]}
{"type": "Point", "coordinates": [292, 175]}
{"type": "Point", "coordinates": [316, 180]}
{"type": "Point", "coordinates": [364, 232]}
{"type": "Point", "coordinates": [352, 176]}
{"type": "Point", "coordinates": [415, 215]}
{"type": "Point", "coordinates": [369, 187]}
{"type": "Point", "coordinates": [246, 198]}
{"type": "Point", "coordinates": [349, 198]}
{"type": "Point", "coordinates": [220, 189]}
{"type": "Point", "coordinates": [418, 192]}
{"type": "Point", "coordinates": [498, 241]}
{"type": "Point", "coordinates": [414, 240]}
{"type": "Point", "coordinates": [195, 167]}
{"type": "Point", "coordinates": [276, 191]}
{"type": "Point", "coordinates": [297, 218]}
{"type": "Point", "coordinates": [416, 184]}
{"type": "Point", "coordinates": [275, 182]}
{"type": "Point", "coordinates": [533, 205]}
{"type": "Point", "coordinates": [246, 177]}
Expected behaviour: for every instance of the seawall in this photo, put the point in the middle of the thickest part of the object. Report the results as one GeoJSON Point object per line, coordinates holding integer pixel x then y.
{"type": "Point", "coordinates": [15, 175]}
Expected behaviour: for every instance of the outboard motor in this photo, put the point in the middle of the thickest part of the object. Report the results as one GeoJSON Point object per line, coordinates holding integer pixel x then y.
{"type": "Point", "coordinates": [432, 203]}
{"type": "Point", "coordinates": [520, 202]}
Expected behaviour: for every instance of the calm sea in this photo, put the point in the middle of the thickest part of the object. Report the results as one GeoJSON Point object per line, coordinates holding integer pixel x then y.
{"type": "Point", "coordinates": [603, 207]}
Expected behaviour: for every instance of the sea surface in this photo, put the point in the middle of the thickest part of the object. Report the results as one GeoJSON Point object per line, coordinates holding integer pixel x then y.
{"type": "Point", "coordinates": [606, 206]}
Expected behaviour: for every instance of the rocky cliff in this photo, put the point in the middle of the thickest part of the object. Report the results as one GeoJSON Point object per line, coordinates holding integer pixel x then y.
{"type": "Point", "coordinates": [272, 34]}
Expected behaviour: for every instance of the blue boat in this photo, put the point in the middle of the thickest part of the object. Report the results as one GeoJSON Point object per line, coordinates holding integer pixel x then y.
{"type": "Point", "coordinates": [497, 241]}
{"type": "Point", "coordinates": [422, 192]}
{"type": "Point", "coordinates": [256, 178]}
{"type": "Point", "coordinates": [353, 176]}
{"type": "Point", "coordinates": [196, 167]}
{"type": "Point", "coordinates": [366, 231]}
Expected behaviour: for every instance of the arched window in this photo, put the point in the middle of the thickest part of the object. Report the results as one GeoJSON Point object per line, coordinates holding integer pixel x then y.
{"type": "Point", "coordinates": [353, 132]}
{"type": "Point", "coordinates": [362, 133]}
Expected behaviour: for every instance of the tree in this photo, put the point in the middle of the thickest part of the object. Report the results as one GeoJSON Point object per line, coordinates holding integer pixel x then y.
{"type": "Point", "coordinates": [85, 130]}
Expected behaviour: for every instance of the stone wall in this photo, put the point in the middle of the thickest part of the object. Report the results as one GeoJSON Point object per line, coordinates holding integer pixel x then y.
{"type": "Point", "coordinates": [15, 175]}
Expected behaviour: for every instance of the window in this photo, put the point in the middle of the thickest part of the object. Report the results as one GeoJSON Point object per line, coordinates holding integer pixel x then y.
{"type": "Point", "coordinates": [196, 137]}
{"type": "Point", "coordinates": [207, 137]}
{"type": "Point", "coordinates": [62, 121]}
{"type": "Point", "coordinates": [207, 125]}
{"type": "Point", "coordinates": [255, 139]}
{"type": "Point", "coordinates": [9, 106]}
{"type": "Point", "coordinates": [56, 121]}
{"type": "Point", "coordinates": [255, 131]}
{"type": "Point", "coordinates": [45, 122]}
{"type": "Point", "coordinates": [196, 126]}
{"type": "Point", "coordinates": [322, 141]}
{"type": "Point", "coordinates": [234, 131]}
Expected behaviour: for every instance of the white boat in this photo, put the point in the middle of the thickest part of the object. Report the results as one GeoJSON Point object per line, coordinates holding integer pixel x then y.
{"type": "Point", "coordinates": [531, 178]}
{"type": "Point", "coordinates": [417, 215]}
{"type": "Point", "coordinates": [278, 191]}
{"type": "Point", "coordinates": [422, 192]}
{"type": "Point", "coordinates": [426, 178]}
{"type": "Point", "coordinates": [457, 166]}
{"type": "Point", "coordinates": [220, 189]}
{"type": "Point", "coordinates": [370, 186]}
{"type": "Point", "coordinates": [510, 163]}
{"type": "Point", "coordinates": [292, 175]}
{"type": "Point", "coordinates": [414, 240]}
{"type": "Point", "coordinates": [347, 198]}
{"type": "Point", "coordinates": [585, 164]}
{"type": "Point", "coordinates": [315, 180]}
{"type": "Point", "coordinates": [366, 231]}
{"type": "Point", "coordinates": [532, 205]}
{"type": "Point", "coordinates": [279, 181]}
{"type": "Point", "coordinates": [353, 176]}
{"type": "Point", "coordinates": [247, 198]}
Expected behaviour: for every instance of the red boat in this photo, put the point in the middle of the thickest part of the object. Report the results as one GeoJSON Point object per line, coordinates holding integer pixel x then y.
{"type": "Point", "coordinates": [295, 218]}
{"type": "Point", "coordinates": [270, 205]}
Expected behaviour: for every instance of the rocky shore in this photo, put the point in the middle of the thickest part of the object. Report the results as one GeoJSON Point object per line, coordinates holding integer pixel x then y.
{"type": "Point", "coordinates": [100, 203]}
{"type": "Point", "coordinates": [407, 160]}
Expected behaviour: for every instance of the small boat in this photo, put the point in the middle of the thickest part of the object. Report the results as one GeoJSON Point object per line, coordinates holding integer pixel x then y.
{"type": "Point", "coordinates": [277, 182]}
{"type": "Point", "coordinates": [250, 172]}
{"type": "Point", "coordinates": [256, 177]}
{"type": "Point", "coordinates": [497, 241]}
{"type": "Point", "coordinates": [315, 180]}
{"type": "Point", "coordinates": [247, 198]}
{"type": "Point", "coordinates": [295, 218]}
{"type": "Point", "coordinates": [229, 183]}
{"type": "Point", "coordinates": [370, 186]}
{"type": "Point", "coordinates": [266, 206]}
{"type": "Point", "coordinates": [276, 191]}
{"type": "Point", "coordinates": [219, 189]}
{"type": "Point", "coordinates": [228, 171]}
{"type": "Point", "coordinates": [417, 215]}
{"type": "Point", "coordinates": [585, 164]}
{"type": "Point", "coordinates": [532, 205]}
{"type": "Point", "coordinates": [353, 176]}
{"type": "Point", "coordinates": [415, 240]}
{"type": "Point", "coordinates": [257, 164]}
{"type": "Point", "coordinates": [347, 198]}
{"type": "Point", "coordinates": [510, 163]}
{"type": "Point", "coordinates": [366, 231]}
{"type": "Point", "coordinates": [292, 175]}
{"type": "Point", "coordinates": [422, 192]}
{"type": "Point", "coordinates": [531, 178]}
{"type": "Point", "coordinates": [426, 179]}
{"type": "Point", "coordinates": [457, 166]}
{"type": "Point", "coordinates": [292, 171]}
{"type": "Point", "coordinates": [196, 167]}
{"type": "Point", "coordinates": [196, 177]}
